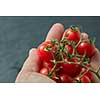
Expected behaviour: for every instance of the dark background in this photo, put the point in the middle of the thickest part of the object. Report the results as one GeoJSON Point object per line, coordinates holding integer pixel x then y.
{"type": "Point", "coordinates": [19, 34]}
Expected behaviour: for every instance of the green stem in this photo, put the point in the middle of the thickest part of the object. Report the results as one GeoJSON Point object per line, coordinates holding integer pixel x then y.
{"type": "Point", "coordinates": [68, 62]}
{"type": "Point", "coordinates": [52, 71]}
{"type": "Point", "coordinates": [79, 41]}
{"type": "Point", "coordinates": [74, 47]}
{"type": "Point", "coordinates": [62, 56]}
{"type": "Point", "coordinates": [83, 74]}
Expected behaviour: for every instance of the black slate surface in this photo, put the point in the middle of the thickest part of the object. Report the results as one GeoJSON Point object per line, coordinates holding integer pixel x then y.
{"type": "Point", "coordinates": [19, 34]}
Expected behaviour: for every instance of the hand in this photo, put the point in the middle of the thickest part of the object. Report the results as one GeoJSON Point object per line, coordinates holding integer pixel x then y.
{"type": "Point", "coordinates": [28, 72]}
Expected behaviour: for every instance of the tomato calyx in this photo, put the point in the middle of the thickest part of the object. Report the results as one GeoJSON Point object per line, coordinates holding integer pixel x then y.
{"type": "Point", "coordinates": [74, 27]}
{"type": "Point", "coordinates": [91, 41]}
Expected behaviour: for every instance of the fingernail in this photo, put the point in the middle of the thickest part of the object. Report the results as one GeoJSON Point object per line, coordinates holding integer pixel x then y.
{"type": "Point", "coordinates": [32, 51]}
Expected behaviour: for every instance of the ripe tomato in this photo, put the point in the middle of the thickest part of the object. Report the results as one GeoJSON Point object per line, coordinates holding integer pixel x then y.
{"type": "Point", "coordinates": [48, 64]}
{"type": "Point", "coordinates": [44, 71]}
{"type": "Point", "coordinates": [69, 48]}
{"type": "Point", "coordinates": [44, 54]}
{"type": "Point", "coordinates": [85, 79]}
{"type": "Point", "coordinates": [73, 34]}
{"type": "Point", "coordinates": [64, 78]}
{"type": "Point", "coordinates": [91, 76]}
{"type": "Point", "coordinates": [71, 69]}
{"type": "Point", "coordinates": [85, 47]}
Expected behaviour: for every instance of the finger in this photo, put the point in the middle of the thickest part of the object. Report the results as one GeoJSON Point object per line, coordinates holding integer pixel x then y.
{"type": "Point", "coordinates": [95, 61]}
{"type": "Point", "coordinates": [55, 32]}
{"type": "Point", "coordinates": [32, 62]}
{"type": "Point", "coordinates": [85, 36]}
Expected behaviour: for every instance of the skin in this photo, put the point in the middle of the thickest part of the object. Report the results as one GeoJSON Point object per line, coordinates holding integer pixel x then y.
{"type": "Point", "coordinates": [28, 72]}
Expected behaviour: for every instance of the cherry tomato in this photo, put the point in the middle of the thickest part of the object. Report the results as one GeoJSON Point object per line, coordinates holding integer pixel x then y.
{"type": "Point", "coordinates": [91, 76]}
{"type": "Point", "coordinates": [44, 54]}
{"type": "Point", "coordinates": [69, 48]}
{"type": "Point", "coordinates": [45, 70]}
{"type": "Point", "coordinates": [85, 79]}
{"type": "Point", "coordinates": [85, 47]}
{"type": "Point", "coordinates": [64, 78]}
{"type": "Point", "coordinates": [73, 34]}
{"type": "Point", "coordinates": [48, 64]}
{"type": "Point", "coordinates": [71, 69]}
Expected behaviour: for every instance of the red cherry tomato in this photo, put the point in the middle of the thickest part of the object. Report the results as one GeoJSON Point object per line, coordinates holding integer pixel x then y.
{"type": "Point", "coordinates": [45, 70]}
{"type": "Point", "coordinates": [85, 79]}
{"type": "Point", "coordinates": [64, 78]}
{"type": "Point", "coordinates": [48, 64]}
{"type": "Point", "coordinates": [71, 69]}
{"type": "Point", "coordinates": [43, 53]}
{"type": "Point", "coordinates": [69, 48]}
{"type": "Point", "coordinates": [91, 76]}
{"type": "Point", "coordinates": [85, 47]}
{"type": "Point", "coordinates": [73, 34]}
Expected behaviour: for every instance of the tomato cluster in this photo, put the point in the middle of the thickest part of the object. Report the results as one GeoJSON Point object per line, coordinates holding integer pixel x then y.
{"type": "Point", "coordinates": [67, 61]}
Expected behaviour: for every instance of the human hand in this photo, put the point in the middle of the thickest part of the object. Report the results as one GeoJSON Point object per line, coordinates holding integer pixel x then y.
{"type": "Point", "coordinates": [28, 72]}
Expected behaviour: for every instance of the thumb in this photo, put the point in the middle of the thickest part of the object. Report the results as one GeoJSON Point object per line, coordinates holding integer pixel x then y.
{"type": "Point", "coordinates": [32, 62]}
